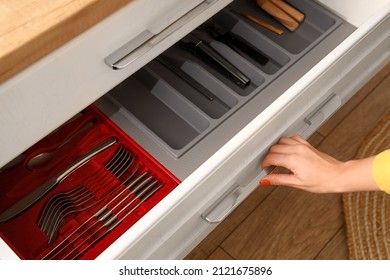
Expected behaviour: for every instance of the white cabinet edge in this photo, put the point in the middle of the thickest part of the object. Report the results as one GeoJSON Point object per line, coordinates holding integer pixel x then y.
{"type": "Point", "coordinates": [355, 12]}
{"type": "Point", "coordinates": [6, 252]}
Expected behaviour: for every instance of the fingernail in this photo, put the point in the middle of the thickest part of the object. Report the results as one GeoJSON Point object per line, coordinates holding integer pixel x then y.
{"type": "Point", "coordinates": [265, 183]}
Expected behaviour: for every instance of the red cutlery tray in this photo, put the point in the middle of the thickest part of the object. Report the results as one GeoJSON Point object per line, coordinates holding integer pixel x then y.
{"type": "Point", "coordinates": [23, 234]}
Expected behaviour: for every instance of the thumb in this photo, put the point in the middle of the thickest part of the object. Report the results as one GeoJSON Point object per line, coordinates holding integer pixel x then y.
{"type": "Point", "coordinates": [289, 180]}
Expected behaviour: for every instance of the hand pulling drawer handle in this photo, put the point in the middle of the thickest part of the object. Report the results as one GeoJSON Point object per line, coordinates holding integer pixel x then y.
{"type": "Point", "coordinates": [320, 114]}
{"type": "Point", "coordinates": [219, 210]}
{"type": "Point", "coordinates": [144, 42]}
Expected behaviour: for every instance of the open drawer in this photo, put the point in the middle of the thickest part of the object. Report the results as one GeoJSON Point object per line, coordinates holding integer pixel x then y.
{"type": "Point", "coordinates": [210, 133]}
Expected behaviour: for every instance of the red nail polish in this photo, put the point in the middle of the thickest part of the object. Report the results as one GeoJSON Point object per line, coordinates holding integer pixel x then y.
{"type": "Point", "coordinates": [265, 183]}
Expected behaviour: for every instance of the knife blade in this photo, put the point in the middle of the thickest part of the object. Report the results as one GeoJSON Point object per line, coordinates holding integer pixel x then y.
{"type": "Point", "coordinates": [193, 43]}
{"type": "Point", "coordinates": [33, 197]}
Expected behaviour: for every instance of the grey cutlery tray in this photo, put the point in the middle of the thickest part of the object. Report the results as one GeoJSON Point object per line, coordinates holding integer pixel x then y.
{"type": "Point", "coordinates": [174, 117]}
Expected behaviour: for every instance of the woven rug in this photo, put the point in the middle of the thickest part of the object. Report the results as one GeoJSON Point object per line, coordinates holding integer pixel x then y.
{"type": "Point", "coordinates": [367, 214]}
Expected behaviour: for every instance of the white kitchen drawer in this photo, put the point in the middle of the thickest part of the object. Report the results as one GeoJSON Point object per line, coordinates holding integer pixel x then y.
{"type": "Point", "coordinates": [198, 127]}
{"type": "Point", "coordinates": [222, 167]}
{"type": "Point", "coordinates": [58, 86]}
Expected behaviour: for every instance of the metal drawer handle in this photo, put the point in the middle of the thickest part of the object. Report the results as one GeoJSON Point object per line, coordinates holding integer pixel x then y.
{"type": "Point", "coordinates": [320, 114]}
{"type": "Point", "coordinates": [145, 41]}
{"type": "Point", "coordinates": [219, 210]}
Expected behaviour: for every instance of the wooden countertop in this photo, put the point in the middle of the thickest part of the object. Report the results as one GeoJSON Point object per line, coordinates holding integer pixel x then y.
{"type": "Point", "coordinates": [30, 29]}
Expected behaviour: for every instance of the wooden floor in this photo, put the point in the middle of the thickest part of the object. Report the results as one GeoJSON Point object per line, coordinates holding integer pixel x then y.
{"type": "Point", "coordinates": [283, 223]}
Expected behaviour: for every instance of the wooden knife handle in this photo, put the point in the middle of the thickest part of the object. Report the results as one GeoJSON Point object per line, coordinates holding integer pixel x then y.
{"type": "Point", "coordinates": [294, 13]}
{"type": "Point", "coordinates": [263, 23]}
{"type": "Point", "coordinates": [277, 13]}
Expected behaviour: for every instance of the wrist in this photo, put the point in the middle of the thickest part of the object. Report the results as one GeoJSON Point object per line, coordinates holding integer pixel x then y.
{"type": "Point", "coordinates": [356, 175]}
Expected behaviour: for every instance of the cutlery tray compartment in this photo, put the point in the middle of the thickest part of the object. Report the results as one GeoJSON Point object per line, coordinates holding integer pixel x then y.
{"type": "Point", "coordinates": [317, 22]}
{"type": "Point", "coordinates": [155, 103]}
{"type": "Point", "coordinates": [25, 232]}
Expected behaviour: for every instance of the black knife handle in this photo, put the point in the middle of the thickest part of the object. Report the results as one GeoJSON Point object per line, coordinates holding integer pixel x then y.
{"type": "Point", "coordinates": [242, 47]}
{"type": "Point", "coordinates": [233, 73]}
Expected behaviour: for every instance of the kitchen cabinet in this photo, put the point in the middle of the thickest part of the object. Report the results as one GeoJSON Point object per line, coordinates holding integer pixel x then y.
{"type": "Point", "coordinates": [215, 152]}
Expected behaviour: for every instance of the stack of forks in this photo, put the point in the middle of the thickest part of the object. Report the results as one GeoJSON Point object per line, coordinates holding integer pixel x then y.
{"type": "Point", "coordinates": [116, 198]}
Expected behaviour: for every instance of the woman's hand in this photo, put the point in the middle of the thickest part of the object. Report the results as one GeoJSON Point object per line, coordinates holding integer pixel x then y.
{"type": "Point", "coordinates": [314, 171]}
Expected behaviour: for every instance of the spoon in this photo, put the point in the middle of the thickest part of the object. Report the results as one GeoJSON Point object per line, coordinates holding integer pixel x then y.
{"type": "Point", "coordinates": [43, 159]}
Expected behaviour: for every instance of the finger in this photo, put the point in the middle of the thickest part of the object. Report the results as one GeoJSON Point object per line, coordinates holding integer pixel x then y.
{"type": "Point", "coordinates": [289, 180]}
{"type": "Point", "coordinates": [287, 149]}
{"type": "Point", "coordinates": [276, 159]}
{"type": "Point", "coordinates": [281, 149]}
{"type": "Point", "coordinates": [299, 138]}
{"type": "Point", "coordinates": [287, 141]}
{"type": "Point", "coordinates": [294, 140]}
{"type": "Point", "coordinates": [296, 145]}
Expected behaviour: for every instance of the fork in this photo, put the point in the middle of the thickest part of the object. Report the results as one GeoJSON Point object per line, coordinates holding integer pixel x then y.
{"type": "Point", "coordinates": [112, 221]}
{"type": "Point", "coordinates": [117, 166]}
{"type": "Point", "coordinates": [136, 187]}
{"type": "Point", "coordinates": [72, 192]}
{"type": "Point", "coordinates": [78, 195]}
{"type": "Point", "coordinates": [61, 220]}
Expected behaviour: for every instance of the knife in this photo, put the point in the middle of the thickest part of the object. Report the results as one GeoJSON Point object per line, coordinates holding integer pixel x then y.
{"type": "Point", "coordinates": [236, 43]}
{"type": "Point", "coordinates": [277, 13]}
{"type": "Point", "coordinates": [33, 197]}
{"type": "Point", "coordinates": [194, 44]}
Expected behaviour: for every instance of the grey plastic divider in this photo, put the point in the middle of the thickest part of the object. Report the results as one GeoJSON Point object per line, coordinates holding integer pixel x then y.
{"type": "Point", "coordinates": [216, 72]}
{"type": "Point", "coordinates": [159, 107]}
{"type": "Point", "coordinates": [177, 114]}
{"type": "Point", "coordinates": [277, 56]}
{"type": "Point", "coordinates": [214, 103]}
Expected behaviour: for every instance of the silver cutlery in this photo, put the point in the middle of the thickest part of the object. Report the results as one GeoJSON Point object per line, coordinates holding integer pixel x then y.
{"type": "Point", "coordinates": [70, 195]}
{"type": "Point", "coordinates": [63, 204]}
{"type": "Point", "coordinates": [58, 203]}
{"type": "Point", "coordinates": [33, 197]}
{"type": "Point", "coordinates": [139, 187]}
{"type": "Point", "coordinates": [112, 223]}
